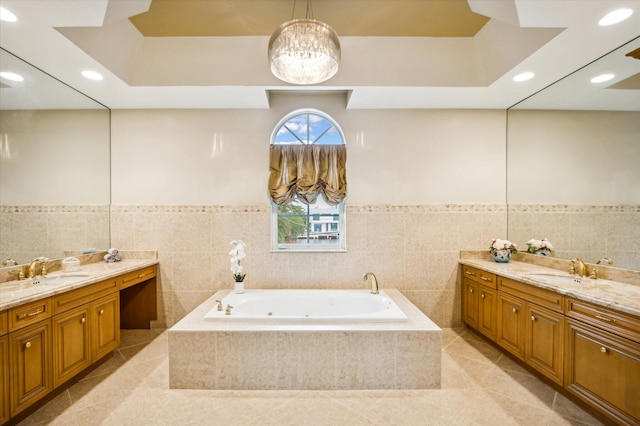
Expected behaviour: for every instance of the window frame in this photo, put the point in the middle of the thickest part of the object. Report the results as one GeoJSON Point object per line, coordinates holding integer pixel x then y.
{"type": "Point", "coordinates": [307, 248]}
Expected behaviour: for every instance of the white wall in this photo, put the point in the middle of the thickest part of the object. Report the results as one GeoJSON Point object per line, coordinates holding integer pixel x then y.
{"type": "Point", "coordinates": [220, 157]}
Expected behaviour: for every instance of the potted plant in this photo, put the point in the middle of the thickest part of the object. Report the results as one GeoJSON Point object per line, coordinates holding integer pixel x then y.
{"type": "Point", "coordinates": [542, 247]}
{"type": "Point", "coordinates": [501, 250]}
{"type": "Point", "coordinates": [236, 254]}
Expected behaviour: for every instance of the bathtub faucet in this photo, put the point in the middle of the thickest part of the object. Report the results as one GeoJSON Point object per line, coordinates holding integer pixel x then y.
{"type": "Point", "coordinates": [374, 282]}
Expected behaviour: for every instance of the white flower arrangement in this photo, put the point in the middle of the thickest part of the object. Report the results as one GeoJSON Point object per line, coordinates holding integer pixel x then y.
{"type": "Point", "coordinates": [237, 254]}
{"type": "Point", "coordinates": [498, 244]}
{"type": "Point", "coordinates": [533, 245]}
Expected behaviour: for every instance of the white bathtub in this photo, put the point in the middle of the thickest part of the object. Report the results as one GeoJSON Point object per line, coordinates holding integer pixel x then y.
{"type": "Point", "coordinates": [248, 350]}
{"type": "Point", "coordinates": [309, 305]}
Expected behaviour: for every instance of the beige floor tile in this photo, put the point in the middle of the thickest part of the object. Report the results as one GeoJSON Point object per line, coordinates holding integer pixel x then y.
{"type": "Point", "coordinates": [567, 410]}
{"type": "Point", "coordinates": [480, 386]}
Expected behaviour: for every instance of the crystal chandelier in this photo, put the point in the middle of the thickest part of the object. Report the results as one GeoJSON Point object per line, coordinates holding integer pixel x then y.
{"type": "Point", "coordinates": [304, 51]}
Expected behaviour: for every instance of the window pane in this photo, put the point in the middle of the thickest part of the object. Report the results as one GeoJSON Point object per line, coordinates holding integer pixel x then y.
{"type": "Point", "coordinates": [318, 226]}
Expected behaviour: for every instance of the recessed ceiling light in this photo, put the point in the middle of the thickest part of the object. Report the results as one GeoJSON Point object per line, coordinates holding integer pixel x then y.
{"type": "Point", "coordinates": [602, 78]}
{"type": "Point", "coordinates": [615, 17]}
{"type": "Point", "coordinates": [523, 76]}
{"type": "Point", "coordinates": [11, 76]}
{"type": "Point", "coordinates": [7, 16]}
{"type": "Point", "coordinates": [92, 75]}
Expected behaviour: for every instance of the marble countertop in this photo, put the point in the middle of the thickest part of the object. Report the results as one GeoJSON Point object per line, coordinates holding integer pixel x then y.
{"type": "Point", "coordinates": [15, 293]}
{"type": "Point", "coordinates": [617, 295]}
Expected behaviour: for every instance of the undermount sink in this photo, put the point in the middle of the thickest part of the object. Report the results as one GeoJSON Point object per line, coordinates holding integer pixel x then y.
{"type": "Point", "coordinates": [61, 279]}
{"type": "Point", "coordinates": [562, 279]}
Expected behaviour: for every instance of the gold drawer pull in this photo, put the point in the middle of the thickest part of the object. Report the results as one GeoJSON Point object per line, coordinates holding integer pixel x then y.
{"type": "Point", "coordinates": [603, 349]}
{"type": "Point", "coordinates": [600, 317]}
{"type": "Point", "coordinates": [515, 311]}
{"type": "Point", "coordinates": [27, 345]}
{"type": "Point", "coordinates": [533, 318]}
{"type": "Point", "coordinates": [470, 273]}
{"type": "Point", "coordinates": [485, 279]}
{"type": "Point", "coordinates": [31, 314]}
{"type": "Point", "coordinates": [141, 275]}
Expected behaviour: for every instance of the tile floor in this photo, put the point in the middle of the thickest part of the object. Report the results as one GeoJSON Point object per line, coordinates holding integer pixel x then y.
{"type": "Point", "coordinates": [480, 386]}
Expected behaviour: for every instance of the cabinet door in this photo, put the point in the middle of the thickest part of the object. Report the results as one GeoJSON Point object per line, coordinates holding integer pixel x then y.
{"type": "Point", "coordinates": [105, 325]}
{"type": "Point", "coordinates": [470, 303]}
{"type": "Point", "coordinates": [30, 365]}
{"type": "Point", "coordinates": [511, 324]}
{"type": "Point", "coordinates": [544, 341]}
{"type": "Point", "coordinates": [4, 379]}
{"type": "Point", "coordinates": [487, 319]}
{"type": "Point", "coordinates": [71, 344]}
{"type": "Point", "coordinates": [604, 370]}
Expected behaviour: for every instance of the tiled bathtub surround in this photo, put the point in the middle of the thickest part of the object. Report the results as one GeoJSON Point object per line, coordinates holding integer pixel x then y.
{"type": "Point", "coordinates": [226, 354]}
{"type": "Point", "coordinates": [585, 231]}
{"type": "Point", "coordinates": [27, 232]}
{"type": "Point", "coordinates": [412, 248]}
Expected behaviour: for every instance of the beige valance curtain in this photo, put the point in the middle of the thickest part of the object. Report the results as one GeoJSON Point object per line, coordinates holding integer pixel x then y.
{"type": "Point", "coordinates": [306, 171]}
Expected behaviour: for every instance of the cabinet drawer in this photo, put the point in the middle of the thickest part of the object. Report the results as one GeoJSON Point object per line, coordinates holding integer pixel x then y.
{"type": "Point", "coordinates": [30, 313]}
{"type": "Point", "coordinates": [548, 299]}
{"type": "Point", "coordinates": [620, 323]}
{"type": "Point", "coordinates": [135, 277]}
{"type": "Point", "coordinates": [74, 298]}
{"type": "Point", "coordinates": [479, 276]}
{"type": "Point", "coordinates": [4, 323]}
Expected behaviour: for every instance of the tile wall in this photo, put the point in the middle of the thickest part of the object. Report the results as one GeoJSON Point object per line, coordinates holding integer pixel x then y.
{"type": "Point", "coordinates": [412, 248]}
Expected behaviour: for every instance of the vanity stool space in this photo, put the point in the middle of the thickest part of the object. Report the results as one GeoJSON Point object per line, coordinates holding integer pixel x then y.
{"type": "Point", "coordinates": [49, 343]}
{"type": "Point", "coordinates": [589, 352]}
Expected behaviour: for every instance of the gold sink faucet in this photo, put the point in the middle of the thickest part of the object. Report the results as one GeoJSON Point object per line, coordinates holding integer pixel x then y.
{"type": "Point", "coordinates": [31, 271]}
{"type": "Point", "coordinates": [583, 268]}
{"type": "Point", "coordinates": [374, 282]}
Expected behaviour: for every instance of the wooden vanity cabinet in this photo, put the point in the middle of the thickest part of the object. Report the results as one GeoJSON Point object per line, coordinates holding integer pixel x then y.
{"type": "Point", "coordinates": [479, 300]}
{"type": "Point", "coordinates": [71, 342]}
{"type": "Point", "coordinates": [30, 365]}
{"type": "Point", "coordinates": [105, 322]}
{"type": "Point", "coordinates": [544, 344]}
{"type": "Point", "coordinates": [603, 360]}
{"type": "Point", "coordinates": [84, 330]}
{"type": "Point", "coordinates": [531, 326]}
{"type": "Point", "coordinates": [4, 367]}
{"type": "Point", "coordinates": [511, 318]}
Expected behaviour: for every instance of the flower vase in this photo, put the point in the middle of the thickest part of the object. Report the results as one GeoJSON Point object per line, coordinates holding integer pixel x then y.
{"type": "Point", "coordinates": [543, 252]}
{"type": "Point", "coordinates": [501, 255]}
{"type": "Point", "coordinates": [238, 287]}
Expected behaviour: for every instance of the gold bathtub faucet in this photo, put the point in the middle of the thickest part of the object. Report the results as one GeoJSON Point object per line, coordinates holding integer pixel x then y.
{"type": "Point", "coordinates": [374, 281]}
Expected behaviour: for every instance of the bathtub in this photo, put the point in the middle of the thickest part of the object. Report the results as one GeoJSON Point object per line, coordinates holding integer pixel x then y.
{"type": "Point", "coordinates": [380, 342]}
{"type": "Point", "coordinates": [308, 306]}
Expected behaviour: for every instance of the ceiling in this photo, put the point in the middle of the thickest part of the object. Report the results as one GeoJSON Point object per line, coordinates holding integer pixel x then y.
{"type": "Point", "coordinates": [395, 53]}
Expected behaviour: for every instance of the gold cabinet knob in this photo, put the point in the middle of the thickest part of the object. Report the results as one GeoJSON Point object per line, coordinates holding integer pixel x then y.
{"type": "Point", "coordinates": [482, 295]}
{"type": "Point", "coordinates": [533, 318]}
{"type": "Point", "coordinates": [84, 320]}
{"type": "Point", "coordinates": [515, 311]}
{"type": "Point", "coordinates": [27, 345]}
{"type": "Point", "coordinates": [101, 311]}
{"type": "Point", "coordinates": [603, 349]}
{"type": "Point", "coordinates": [470, 290]}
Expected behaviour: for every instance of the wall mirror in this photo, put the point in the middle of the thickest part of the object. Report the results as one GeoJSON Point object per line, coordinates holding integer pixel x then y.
{"type": "Point", "coordinates": [54, 166]}
{"type": "Point", "coordinates": [573, 156]}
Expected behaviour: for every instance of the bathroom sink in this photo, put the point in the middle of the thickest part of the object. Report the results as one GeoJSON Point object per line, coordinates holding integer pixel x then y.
{"type": "Point", "coordinates": [61, 279]}
{"type": "Point", "coordinates": [562, 279]}
{"type": "Point", "coordinates": [5, 288]}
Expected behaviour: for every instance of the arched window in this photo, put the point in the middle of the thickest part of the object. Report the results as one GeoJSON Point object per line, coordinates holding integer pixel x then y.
{"type": "Point", "coordinates": [311, 218]}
